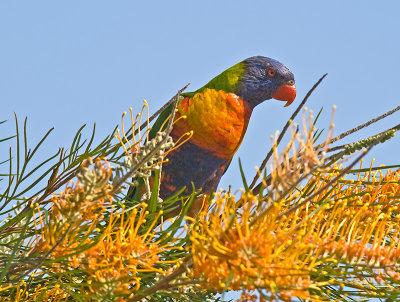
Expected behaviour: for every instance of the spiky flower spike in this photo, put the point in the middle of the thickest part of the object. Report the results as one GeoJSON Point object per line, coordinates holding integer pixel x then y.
{"type": "Point", "coordinates": [326, 239]}
{"type": "Point", "coordinates": [137, 150]}
{"type": "Point", "coordinates": [137, 161]}
{"type": "Point", "coordinates": [109, 247]}
{"type": "Point", "coordinates": [84, 242]}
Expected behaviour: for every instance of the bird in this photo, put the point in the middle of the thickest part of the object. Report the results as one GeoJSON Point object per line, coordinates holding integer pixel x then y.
{"type": "Point", "coordinates": [218, 115]}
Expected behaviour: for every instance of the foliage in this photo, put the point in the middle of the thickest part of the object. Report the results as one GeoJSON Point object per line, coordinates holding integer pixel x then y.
{"type": "Point", "coordinates": [317, 227]}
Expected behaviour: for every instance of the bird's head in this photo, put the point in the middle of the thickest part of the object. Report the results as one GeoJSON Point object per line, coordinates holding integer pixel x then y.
{"type": "Point", "coordinates": [255, 80]}
{"type": "Point", "coordinates": [263, 78]}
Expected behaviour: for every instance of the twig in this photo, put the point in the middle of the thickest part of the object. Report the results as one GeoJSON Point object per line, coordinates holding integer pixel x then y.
{"type": "Point", "coordinates": [370, 122]}
{"type": "Point", "coordinates": [288, 123]}
{"type": "Point", "coordinates": [397, 127]}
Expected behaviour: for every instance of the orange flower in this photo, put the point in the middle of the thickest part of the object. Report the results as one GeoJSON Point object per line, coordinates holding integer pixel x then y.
{"type": "Point", "coordinates": [257, 244]}
{"type": "Point", "coordinates": [44, 293]}
{"type": "Point", "coordinates": [111, 247]}
{"type": "Point", "coordinates": [233, 251]}
{"type": "Point", "coordinates": [123, 252]}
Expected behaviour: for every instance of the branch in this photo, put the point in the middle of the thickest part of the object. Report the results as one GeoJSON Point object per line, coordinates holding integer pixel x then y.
{"type": "Point", "coordinates": [397, 127]}
{"type": "Point", "coordinates": [370, 122]}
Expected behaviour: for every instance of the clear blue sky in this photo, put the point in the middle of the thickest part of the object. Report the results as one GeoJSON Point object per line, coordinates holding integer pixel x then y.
{"type": "Point", "coordinates": [64, 64]}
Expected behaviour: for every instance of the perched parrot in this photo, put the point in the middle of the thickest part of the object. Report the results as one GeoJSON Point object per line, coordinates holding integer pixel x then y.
{"type": "Point", "coordinates": [218, 113]}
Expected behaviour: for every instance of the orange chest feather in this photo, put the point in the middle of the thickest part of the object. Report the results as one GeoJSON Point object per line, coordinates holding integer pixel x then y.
{"type": "Point", "coordinates": [218, 119]}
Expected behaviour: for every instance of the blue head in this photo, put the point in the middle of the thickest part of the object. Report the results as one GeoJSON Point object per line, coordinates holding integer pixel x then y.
{"type": "Point", "coordinates": [265, 78]}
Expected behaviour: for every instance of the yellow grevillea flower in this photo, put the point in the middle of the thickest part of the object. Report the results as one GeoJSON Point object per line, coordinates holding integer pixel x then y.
{"type": "Point", "coordinates": [124, 252]}
{"type": "Point", "coordinates": [41, 293]}
{"type": "Point", "coordinates": [110, 247]}
{"type": "Point", "coordinates": [259, 244]}
{"type": "Point", "coordinates": [232, 251]}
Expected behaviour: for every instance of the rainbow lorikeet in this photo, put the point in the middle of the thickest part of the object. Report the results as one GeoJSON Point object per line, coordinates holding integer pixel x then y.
{"type": "Point", "coordinates": [218, 113]}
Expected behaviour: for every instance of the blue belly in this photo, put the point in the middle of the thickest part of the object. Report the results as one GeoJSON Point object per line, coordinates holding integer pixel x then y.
{"type": "Point", "coordinates": [188, 164]}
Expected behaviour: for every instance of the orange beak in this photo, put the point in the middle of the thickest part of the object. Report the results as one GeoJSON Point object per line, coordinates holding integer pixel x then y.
{"type": "Point", "coordinates": [285, 93]}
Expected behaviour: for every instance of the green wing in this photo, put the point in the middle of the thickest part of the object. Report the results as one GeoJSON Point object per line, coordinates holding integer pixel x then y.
{"type": "Point", "coordinates": [226, 81]}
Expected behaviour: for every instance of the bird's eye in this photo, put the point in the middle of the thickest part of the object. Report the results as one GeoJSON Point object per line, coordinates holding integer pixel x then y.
{"type": "Point", "coordinates": [271, 72]}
